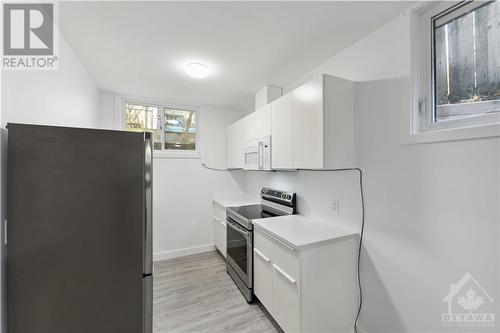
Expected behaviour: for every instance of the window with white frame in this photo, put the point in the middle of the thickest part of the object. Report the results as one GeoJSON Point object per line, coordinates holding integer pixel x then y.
{"type": "Point", "coordinates": [459, 65]}
{"type": "Point", "coordinates": [173, 129]}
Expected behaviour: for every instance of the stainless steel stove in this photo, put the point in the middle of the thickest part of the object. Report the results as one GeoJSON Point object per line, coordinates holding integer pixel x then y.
{"type": "Point", "coordinates": [240, 234]}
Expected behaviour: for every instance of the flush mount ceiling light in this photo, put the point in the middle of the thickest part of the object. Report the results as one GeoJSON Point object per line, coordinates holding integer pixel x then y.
{"type": "Point", "coordinates": [197, 70]}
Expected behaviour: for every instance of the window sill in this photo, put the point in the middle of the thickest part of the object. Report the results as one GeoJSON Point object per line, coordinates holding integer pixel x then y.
{"type": "Point", "coordinates": [177, 154]}
{"type": "Point", "coordinates": [454, 134]}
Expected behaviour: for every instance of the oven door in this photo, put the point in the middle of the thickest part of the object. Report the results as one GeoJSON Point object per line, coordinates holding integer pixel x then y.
{"type": "Point", "coordinates": [239, 251]}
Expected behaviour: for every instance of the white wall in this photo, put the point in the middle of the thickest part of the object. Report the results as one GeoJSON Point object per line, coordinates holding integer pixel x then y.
{"type": "Point", "coordinates": [182, 204]}
{"type": "Point", "coordinates": [107, 110]}
{"type": "Point", "coordinates": [316, 192]}
{"type": "Point", "coordinates": [432, 210]}
{"type": "Point", "coordinates": [432, 216]}
{"type": "Point", "coordinates": [374, 57]}
{"type": "Point", "coordinates": [183, 189]}
{"type": "Point", "coordinates": [67, 97]}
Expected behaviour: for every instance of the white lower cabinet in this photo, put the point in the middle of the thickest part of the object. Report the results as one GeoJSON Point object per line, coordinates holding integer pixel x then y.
{"type": "Point", "coordinates": [263, 278]}
{"type": "Point", "coordinates": [219, 223]}
{"type": "Point", "coordinates": [220, 235]}
{"type": "Point", "coordinates": [306, 290]}
{"type": "Point", "coordinates": [286, 300]}
{"type": "Point", "coordinates": [276, 281]}
{"type": "Point", "coordinates": [219, 219]}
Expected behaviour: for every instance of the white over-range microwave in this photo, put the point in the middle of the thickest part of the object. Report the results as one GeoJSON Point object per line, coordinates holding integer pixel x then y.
{"type": "Point", "coordinates": [258, 154]}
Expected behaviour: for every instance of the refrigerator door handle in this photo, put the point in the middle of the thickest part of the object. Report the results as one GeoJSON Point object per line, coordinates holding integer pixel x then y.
{"type": "Point", "coordinates": [148, 203]}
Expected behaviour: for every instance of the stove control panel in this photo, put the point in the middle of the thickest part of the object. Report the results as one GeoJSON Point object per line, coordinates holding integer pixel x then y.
{"type": "Point", "coordinates": [283, 197]}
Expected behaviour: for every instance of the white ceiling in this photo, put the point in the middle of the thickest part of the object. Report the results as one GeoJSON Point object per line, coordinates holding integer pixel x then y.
{"type": "Point", "coordinates": [139, 48]}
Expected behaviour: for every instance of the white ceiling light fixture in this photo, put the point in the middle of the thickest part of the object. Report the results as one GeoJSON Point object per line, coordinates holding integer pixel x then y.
{"type": "Point", "coordinates": [197, 70]}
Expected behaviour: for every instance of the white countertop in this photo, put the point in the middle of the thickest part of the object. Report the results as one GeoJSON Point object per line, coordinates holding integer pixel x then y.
{"type": "Point", "coordinates": [236, 201]}
{"type": "Point", "coordinates": [299, 231]}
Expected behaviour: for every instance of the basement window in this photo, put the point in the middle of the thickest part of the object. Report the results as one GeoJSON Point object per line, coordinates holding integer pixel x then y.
{"type": "Point", "coordinates": [456, 78]}
{"type": "Point", "coordinates": [174, 130]}
{"type": "Point", "coordinates": [144, 118]}
{"type": "Point", "coordinates": [180, 129]}
{"type": "Point", "coordinates": [466, 59]}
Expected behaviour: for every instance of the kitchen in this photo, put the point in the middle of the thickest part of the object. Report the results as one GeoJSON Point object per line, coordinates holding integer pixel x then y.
{"type": "Point", "coordinates": [325, 86]}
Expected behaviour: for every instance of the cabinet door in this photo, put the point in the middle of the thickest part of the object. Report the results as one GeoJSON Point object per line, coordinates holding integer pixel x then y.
{"type": "Point", "coordinates": [263, 278]}
{"type": "Point", "coordinates": [235, 142]}
{"type": "Point", "coordinates": [223, 239]}
{"type": "Point", "coordinates": [220, 235]}
{"type": "Point", "coordinates": [217, 239]}
{"type": "Point", "coordinates": [248, 130]}
{"type": "Point", "coordinates": [231, 146]}
{"type": "Point", "coordinates": [286, 300]}
{"type": "Point", "coordinates": [261, 122]}
{"type": "Point", "coordinates": [281, 131]}
{"type": "Point", "coordinates": [308, 125]}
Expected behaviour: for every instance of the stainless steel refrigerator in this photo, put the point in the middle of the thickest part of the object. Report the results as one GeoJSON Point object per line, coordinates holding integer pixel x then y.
{"type": "Point", "coordinates": [79, 233]}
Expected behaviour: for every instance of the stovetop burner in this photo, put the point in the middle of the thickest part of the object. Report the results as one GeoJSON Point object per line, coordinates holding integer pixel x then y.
{"type": "Point", "coordinates": [274, 203]}
{"type": "Point", "coordinates": [258, 211]}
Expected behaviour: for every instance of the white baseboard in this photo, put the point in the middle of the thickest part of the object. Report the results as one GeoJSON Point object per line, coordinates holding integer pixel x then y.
{"type": "Point", "coordinates": [157, 256]}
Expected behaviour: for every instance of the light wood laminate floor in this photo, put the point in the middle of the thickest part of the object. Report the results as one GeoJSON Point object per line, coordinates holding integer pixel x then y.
{"type": "Point", "coordinates": [195, 294]}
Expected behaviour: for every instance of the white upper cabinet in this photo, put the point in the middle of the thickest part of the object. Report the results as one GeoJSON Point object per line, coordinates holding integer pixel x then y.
{"type": "Point", "coordinates": [308, 125]}
{"type": "Point", "coordinates": [311, 127]}
{"type": "Point", "coordinates": [235, 136]}
{"type": "Point", "coordinates": [281, 131]}
{"type": "Point", "coordinates": [323, 135]}
{"type": "Point", "coordinates": [259, 123]}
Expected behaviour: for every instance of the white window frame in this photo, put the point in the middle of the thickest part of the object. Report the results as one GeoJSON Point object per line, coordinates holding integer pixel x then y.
{"type": "Point", "coordinates": [164, 153]}
{"type": "Point", "coordinates": [417, 56]}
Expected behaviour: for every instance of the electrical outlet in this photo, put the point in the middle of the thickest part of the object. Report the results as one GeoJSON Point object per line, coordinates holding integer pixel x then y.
{"type": "Point", "coordinates": [336, 206]}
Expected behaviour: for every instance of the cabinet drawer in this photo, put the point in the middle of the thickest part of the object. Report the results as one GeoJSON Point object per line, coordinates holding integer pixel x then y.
{"type": "Point", "coordinates": [263, 278]}
{"type": "Point", "coordinates": [282, 256]}
{"type": "Point", "coordinates": [286, 301]}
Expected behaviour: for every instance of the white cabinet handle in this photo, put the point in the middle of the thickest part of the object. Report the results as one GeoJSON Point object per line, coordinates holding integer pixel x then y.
{"type": "Point", "coordinates": [261, 155]}
{"type": "Point", "coordinates": [277, 240]}
{"type": "Point", "coordinates": [282, 272]}
{"type": "Point", "coordinates": [266, 259]}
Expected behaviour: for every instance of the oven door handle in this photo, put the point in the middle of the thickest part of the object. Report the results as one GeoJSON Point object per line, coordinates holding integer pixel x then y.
{"type": "Point", "coordinates": [241, 231]}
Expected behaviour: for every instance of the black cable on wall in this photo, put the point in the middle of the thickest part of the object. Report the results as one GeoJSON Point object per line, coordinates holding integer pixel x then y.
{"type": "Point", "coordinates": [210, 168]}
{"type": "Point", "coordinates": [360, 304]}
